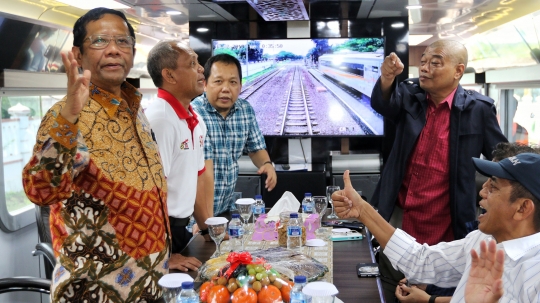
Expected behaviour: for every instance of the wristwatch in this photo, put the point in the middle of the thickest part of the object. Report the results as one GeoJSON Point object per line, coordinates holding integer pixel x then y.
{"type": "Point", "coordinates": [204, 231]}
{"type": "Point", "coordinates": [432, 299]}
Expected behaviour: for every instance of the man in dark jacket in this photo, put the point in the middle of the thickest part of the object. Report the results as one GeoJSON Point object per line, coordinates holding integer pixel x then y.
{"type": "Point", "coordinates": [439, 127]}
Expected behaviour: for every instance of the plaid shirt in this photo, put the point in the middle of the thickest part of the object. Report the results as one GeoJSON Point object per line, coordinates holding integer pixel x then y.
{"type": "Point", "coordinates": [225, 141]}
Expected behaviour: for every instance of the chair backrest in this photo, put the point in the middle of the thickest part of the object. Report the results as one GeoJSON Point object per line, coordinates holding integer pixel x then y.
{"type": "Point", "coordinates": [42, 219]}
{"type": "Point", "coordinates": [44, 247]}
{"type": "Point", "coordinates": [25, 284]}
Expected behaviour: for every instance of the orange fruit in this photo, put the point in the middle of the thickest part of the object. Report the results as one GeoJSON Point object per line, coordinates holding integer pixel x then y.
{"type": "Point", "coordinates": [244, 295]}
{"type": "Point", "coordinates": [203, 291]}
{"type": "Point", "coordinates": [218, 294]}
{"type": "Point", "coordinates": [270, 294]}
{"type": "Point", "coordinates": [286, 290]}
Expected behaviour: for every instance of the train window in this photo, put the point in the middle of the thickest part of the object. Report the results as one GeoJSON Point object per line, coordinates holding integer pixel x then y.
{"type": "Point", "coordinates": [523, 106]}
{"type": "Point", "coordinates": [511, 44]}
{"type": "Point", "coordinates": [21, 116]}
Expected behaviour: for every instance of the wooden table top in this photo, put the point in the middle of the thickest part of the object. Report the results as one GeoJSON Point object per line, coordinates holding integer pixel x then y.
{"type": "Point", "coordinates": [346, 255]}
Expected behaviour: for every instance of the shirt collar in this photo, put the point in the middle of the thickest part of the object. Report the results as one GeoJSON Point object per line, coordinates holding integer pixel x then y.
{"type": "Point", "coordinates": [448, 100]}
{"type": "Point", "coordinates": [111, 102]}
{"type": "Point", "coordinates": [517, 248]}
{"type": "Point", "coordinates": [191, 117]}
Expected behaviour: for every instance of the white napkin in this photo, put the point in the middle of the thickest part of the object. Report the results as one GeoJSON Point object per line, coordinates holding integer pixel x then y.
{"type": "Point", "coordinates": [287, 202]}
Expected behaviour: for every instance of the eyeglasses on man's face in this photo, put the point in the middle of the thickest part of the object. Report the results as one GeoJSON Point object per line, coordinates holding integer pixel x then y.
{"type": "Point", "coordinates": [102, 41]}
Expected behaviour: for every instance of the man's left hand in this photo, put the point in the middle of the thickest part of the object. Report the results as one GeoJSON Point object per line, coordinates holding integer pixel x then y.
{"type": "Point", "coordinates": [485, 277]}
{"type": "Point", "coordinates": [177, 261]}
{"type": "Point", "coordinates": [271, 177]}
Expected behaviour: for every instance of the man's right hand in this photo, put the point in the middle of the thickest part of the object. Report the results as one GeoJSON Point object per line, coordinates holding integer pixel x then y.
{"type": "Point", "coordinates": [347, 202]}
{"type": "Point", "coordinates": [390, 69]}
{"type": "Point", "coordinates": [77, 90]}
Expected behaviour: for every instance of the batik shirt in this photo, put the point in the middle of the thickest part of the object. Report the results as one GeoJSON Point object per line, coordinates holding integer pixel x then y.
{"type": "Point", "coordinates": [103, 180]}
{"type": "Point", "coordinates": [226, 139]}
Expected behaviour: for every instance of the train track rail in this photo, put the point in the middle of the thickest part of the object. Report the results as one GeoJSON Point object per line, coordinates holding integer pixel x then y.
{"type": "Point", "coordinates": [258, 83]}
{"type": "Point", "coordinates": [296, 113]}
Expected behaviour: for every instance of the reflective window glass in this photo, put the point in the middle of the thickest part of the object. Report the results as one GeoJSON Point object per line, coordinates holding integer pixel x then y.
{"type": "Point", "coordinates": [21, 116]}
{"type": "Point", "coordinates": [523, 110]}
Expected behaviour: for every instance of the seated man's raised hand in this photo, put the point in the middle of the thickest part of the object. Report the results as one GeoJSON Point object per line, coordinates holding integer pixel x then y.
{"type": "Point", "coordinates": [485, 278]}
{"type": "Point", "coordinates": [347, 202]}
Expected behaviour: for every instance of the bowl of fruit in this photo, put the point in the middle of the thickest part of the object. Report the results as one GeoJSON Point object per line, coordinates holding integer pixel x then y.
{"type": "Point", "coordinates": [246, 280]}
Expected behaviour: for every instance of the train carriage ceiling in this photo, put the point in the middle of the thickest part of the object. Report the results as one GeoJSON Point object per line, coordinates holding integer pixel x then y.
{"type": "Point", "coordinates": [443, 19]}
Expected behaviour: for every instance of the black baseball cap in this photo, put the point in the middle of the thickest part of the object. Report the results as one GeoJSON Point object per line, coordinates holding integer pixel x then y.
{"type": "Point", "coordinates": [523, 168]}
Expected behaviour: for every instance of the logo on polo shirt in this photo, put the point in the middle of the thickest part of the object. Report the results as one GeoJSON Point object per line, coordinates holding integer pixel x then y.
{"type": "Point", "coordinates": [201, 141]}
{"type": "Point", "coordinates": [184, 145]}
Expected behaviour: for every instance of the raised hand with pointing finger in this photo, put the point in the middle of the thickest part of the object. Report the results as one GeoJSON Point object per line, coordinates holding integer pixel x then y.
{"type": "Point", "coordinates": [390, 69]}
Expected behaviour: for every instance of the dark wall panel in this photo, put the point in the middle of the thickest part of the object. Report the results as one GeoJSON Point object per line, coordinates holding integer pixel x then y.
{"type": "Point", "coordinates": [272, 30]}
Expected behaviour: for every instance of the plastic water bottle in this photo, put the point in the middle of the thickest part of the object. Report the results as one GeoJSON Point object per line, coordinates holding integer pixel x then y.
{"type": "Point", "coordinates": [297, 296]}
{"type": "Point", "coordinates": [258, 208]}
{"type": "Point", "coordinates": [307, 204]}
{"type": "Point", "coordinates": [294, 233]}
{"type": "Point", "coordinates": [236, 233]}
{"type": "Point", "coordinates": [188, 294]}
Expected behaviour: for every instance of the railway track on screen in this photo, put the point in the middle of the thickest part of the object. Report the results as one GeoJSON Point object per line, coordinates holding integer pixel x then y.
{"type": "Point", "coordinates": [296, 112]}
{"type": "Point", "coordinates": [257, 83]}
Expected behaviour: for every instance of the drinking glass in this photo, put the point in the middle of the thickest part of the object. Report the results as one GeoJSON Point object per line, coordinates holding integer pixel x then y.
{"type": "Point", "coordinates": [329, 191]}
{"type": "Point", "coordinates": [321, 204]}
{"type": "Point", "coordinates": [245, 209]}
{"type": "Point", "coordinates": [217, 232]}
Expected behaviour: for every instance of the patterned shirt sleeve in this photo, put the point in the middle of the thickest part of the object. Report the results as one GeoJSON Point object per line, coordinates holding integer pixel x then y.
{"type": "Point", "coordinates": [58, 157]}
{"type": "Point", "coordinates": [208, 148]}
{"type": "Point", "coordinates": [255, 140]}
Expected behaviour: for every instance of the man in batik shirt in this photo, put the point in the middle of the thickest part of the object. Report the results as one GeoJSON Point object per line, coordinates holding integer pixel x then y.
{"type": "Point", "coordinates": [97, 167]}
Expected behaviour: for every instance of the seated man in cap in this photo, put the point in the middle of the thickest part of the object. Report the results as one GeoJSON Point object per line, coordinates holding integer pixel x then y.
{"type": "Point", "coordinates": [511, 216]}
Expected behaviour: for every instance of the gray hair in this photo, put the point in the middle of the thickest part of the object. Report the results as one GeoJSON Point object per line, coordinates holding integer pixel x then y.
{"type": "Point", "coordinates": [164, 55]}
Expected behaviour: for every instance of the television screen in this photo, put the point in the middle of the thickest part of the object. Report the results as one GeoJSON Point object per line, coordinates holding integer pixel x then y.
{"type": "Point", "coordinates": [310, 87]}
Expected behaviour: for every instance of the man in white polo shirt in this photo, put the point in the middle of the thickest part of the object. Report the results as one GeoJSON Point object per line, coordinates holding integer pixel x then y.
{"type": "Point", "coordinates": [180, 135]}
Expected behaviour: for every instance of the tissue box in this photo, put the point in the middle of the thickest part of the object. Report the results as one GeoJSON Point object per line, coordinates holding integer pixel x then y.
{"type": "Point", "coordinates": [264, 231]}
{"type": "Point", "coordinates": [311, 223]}
{"type": "Point", "coordinates": [268, 231]}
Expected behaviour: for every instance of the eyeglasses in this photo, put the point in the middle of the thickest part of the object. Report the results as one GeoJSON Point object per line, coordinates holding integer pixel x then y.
{"type": "Point", "coordinates": [102, 41]}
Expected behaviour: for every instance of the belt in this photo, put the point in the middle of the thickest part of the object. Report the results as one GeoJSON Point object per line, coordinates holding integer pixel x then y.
{"type": "Point", "coordinates": [179, 221]}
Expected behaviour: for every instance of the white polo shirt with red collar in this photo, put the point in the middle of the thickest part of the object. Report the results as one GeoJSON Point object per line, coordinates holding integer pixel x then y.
{"type": "Point", "coordinates": [180, 138]}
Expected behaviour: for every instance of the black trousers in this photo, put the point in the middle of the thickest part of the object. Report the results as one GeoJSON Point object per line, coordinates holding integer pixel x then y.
{"type": "Point", "coordinates": [179, 234]}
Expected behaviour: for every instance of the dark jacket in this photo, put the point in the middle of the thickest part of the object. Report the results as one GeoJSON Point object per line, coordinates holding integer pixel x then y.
{"type": "Point", "coordinates": [474, 130]}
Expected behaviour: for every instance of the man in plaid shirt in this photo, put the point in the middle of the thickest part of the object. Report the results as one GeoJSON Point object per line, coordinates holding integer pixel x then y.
{"type": "Point", "coordinates": [232, 129]}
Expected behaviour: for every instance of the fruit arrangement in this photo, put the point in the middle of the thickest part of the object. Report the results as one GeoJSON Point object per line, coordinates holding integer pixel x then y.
{"type": "Point", "coordinates": [246, 280]}
{"type": "Point", "coordinates": [281, 260]}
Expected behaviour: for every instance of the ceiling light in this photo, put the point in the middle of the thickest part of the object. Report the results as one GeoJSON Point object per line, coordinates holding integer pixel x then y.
{"type": "Point", "coordinates": [417, 39]}
{"type": "Point", "coordinates": [84, 4]}
{"type": "Point", "coordinates": [202, 29]}
{"type": "Point", "coordinates": [173, 13]}
{"type": "Point", "coordinates": [413, 6]}
{"type": "Point", "coordinates": [397, 25]}
{"type": "Point", "coordinates": [206, 16]}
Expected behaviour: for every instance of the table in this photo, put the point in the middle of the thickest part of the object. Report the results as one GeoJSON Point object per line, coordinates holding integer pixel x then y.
{"type": "Point", "coordinates": [346, 255]}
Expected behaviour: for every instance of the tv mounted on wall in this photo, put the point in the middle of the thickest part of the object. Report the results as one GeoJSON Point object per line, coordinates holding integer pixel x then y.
{"type": "Point", "coordinates": [310, 87]}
